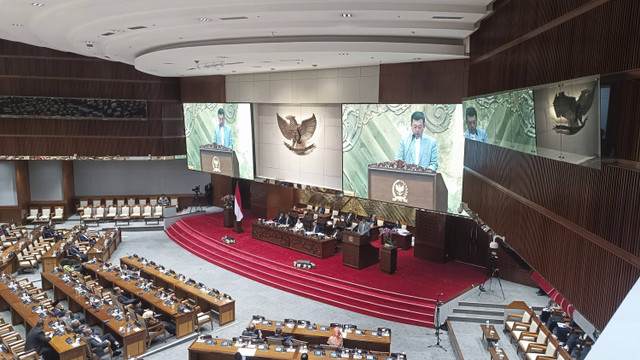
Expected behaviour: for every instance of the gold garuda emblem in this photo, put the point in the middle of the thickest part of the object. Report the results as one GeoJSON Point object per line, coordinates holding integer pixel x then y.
{"type": "Point", "coordinates": [400, 191]}
{"type": "Point", "coordinates": [215, 164]}
{"type": "Point", "coordinates": [299, 134]}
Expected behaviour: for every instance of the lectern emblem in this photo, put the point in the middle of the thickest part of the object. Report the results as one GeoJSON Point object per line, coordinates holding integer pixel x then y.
{"type": "Point", "coordinates": [215, 164]}
{"type": "Point", "coordinates": [400, 191]}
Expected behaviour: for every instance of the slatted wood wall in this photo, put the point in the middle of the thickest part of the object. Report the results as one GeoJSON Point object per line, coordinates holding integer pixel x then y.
{"type": "Point", "coordinates": [576, 226]}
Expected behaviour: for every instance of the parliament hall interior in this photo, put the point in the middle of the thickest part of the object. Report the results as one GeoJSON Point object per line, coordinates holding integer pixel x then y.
{"type": "Point", "coordinates": [297, 179]}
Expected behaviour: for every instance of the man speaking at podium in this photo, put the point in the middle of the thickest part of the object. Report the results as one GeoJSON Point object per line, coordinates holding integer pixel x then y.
{"type": "Point", "coordinates": [222, 134]}
{"type": "Point", "coordinates": [419, 148]}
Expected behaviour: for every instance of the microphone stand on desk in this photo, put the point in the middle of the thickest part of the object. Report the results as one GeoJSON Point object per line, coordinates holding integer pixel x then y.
{"type": "Point", "coordinates": [437, 323]}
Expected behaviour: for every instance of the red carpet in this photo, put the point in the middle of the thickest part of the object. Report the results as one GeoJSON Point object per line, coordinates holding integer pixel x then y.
{"type": "Point", "coordinates": [406, 296]}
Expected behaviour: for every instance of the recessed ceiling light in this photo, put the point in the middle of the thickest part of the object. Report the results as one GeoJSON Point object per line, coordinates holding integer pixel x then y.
{"type": "Point", "coordinates": [89, 42]}
{"type": "Point", "coordinates": [37, 4]}
{"type": "Point", "coordinates": [204, 19]}
{"type": "Point", "coordinates": [347, 15]}
{"type": "Point", "coordinates": [17, 25]}
{"type": "Point", "coordinates": [343, 54]}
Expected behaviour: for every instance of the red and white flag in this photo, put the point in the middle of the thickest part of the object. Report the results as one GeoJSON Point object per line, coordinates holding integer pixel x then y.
{"type": "Point", "coordinates": [238, 205]}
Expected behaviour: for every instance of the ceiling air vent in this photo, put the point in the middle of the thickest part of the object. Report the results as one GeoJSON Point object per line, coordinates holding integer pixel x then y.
{"type": "Point", "coordinates": [137, 27]}
{"type": "Point", "coordinates": [234, 18]}
{"type": "Point", "coordinates": [108, 33]}
{"type": "Point", "coordinates": [447, 17]}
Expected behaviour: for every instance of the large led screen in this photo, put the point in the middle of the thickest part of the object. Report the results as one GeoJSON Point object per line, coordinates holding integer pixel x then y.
{"type": "Point", "coordinates": [216, 133]}
{"type": "Point", "coordinates": [504, 119]}
{"type": "Point", "coordinates": [377, 133]}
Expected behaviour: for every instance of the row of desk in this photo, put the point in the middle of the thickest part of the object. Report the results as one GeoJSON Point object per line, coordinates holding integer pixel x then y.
{"type": "Point", "coordinates": [319, 334]}
{"type": "Point", "coordinates": [21, 313]}
{"type": "Point", "coordinates": [109, 278]}
{"type": "Point", "coordinates": [223, 349]}
{"type": "Point", "coordinates": [133, 338]}
{"type": "Point", "coordinates": [205, 298]}
{"type": "Point", "coordinates": [102, 250]}
{"type": "Point", "coordinates": [314, 246]}
{"type": "Point", "coordinates": [8, 258]}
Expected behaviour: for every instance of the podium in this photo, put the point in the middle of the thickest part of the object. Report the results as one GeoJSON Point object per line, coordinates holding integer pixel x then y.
{"type": "Point", "coordinates": [219, 160]}
{"type": "Point", "coordinates": [421, 189]}
{"type": "Point", "coordinates": [357, 251]}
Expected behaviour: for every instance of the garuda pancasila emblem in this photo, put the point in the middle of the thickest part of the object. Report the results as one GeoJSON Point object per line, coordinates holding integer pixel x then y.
{"type": "Point", "coordinates": [299, 134]}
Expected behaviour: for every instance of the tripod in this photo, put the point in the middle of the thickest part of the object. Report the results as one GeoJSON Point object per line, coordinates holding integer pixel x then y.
{"type": "Point", "coordinates": [495, 274]}
{"type": "Point", "coordinates": [196, 202]}
{"type": "Point", "coordinates": [437, 323]}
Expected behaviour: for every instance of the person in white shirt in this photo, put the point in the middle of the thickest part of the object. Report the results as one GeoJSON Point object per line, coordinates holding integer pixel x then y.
{"type": "Point", "coordinates": [299, 225]}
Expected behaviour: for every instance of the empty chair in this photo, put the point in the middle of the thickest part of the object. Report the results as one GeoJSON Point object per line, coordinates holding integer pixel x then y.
{"type": "Point", "coordinates": [46, 214]}
{"type": "Point", "coordinates": [108, 202]}
{"type": "Point", "coordinates": [174, 201]}
{"type": "Point", "coordinates": [58, 214]}
{"type": "Point", "coordinates": [152, 331]}
{"type": "Point", "coordinates": [120, 203]}
{"type": "Point", "coordinates": [153, 201]}
{"type": "Point", "coordinates": [512, 321]}
{"type": "Point", "coordinates": [124, 215]}
{"type": "Point", "coordinates": [158, 211]}
{"type": "Point", "coordinates": [99, 215]}
{"type": "Point", "coordinates": [142, 202]}
{"type": "Point", "coordinates": [96, 202]}
{"type": "Point", "coordinates": [87, 213]}
{"type": "Point", "coordinates": [380, 222]}
{"type": "Point", "coordinates": [518, 329]}
{"type": "Point", "coordinates": [83, 204]}
{"type": "Point", "coordinates": [146, 211]}
{"type": "Point", "coordinates": [112, 213]}
{"type": "Point", "coordinates": [131, 201]}
{"type": "Point", "coordinates": [550, 350]}
{"type": "Point", "coordinates": [135, 212]}
{"type": "Point", "coordinates": [8, 241]}
{"type": "Point", "coordinates": [27, 262]}
{"type": "Point", "coordinates": [526, 339]}
{"type": "Point", "coordinates": [202, 318]}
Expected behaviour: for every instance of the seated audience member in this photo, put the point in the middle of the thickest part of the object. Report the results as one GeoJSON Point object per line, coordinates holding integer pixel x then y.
{"type": "Point", "coordinates": [287, 220]}
{"type": "Point", "coordinates": [299, 225]}
{"type": "Point", "coordinates": [5, 231]}
{"type": "Point", "coordinates": [84, 238]}
{"type": "Point", "coordinates": [75, 252]}
{"type": "Point", "coordinates": [50, 232]}
{"type": "Point", "coordinates": [279, 335]}
{"type": "Point", "coordinates": [280, 218]}
{"type": "Point", "coordinates": [163, 200]}
{"type": "Point", "coordinates": [150, 320]}
{"type": "Point", "coordinates": [364, 228]}
{"type": "Point", "coordinates": [315, 228]}
{"type": "Point", "coordinates": [58, 310]}
{"type": "Point", "coordinates": [351, 217]}
{"type": "Point", "coordinates": [68, 317]}
{"type": "Point", "coordinates": [39, 342]}
{"type": "Point", "coordinates": [336, 338]}
{"type": "Point", "coordinates": [123, 299]}
{"type": "Point", "coordinates": [397, 225]}
{"type": "Point", "coordinates": [373, 220]}
{"type": "Point", "coordinates": [321, 209]}
{"type": "Point", "coordinates": [100, 342]}
{"type": "Point", "coordinates": [251, 331]}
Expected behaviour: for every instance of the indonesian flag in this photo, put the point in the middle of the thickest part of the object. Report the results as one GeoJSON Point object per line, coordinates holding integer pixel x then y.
{"type": "Point", "coordinates": [238, 205]}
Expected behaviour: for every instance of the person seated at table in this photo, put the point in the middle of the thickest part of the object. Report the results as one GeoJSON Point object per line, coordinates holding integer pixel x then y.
{"type": "Point", "coordinates": [5, 231]}
{"type": "Point", "coordinates": [336, 338]}
{"type": "Point", "coordinates": [351, 217]}
{"type": "Point", "coordinates": [315, 228]}
{"type": "Point", "coordinates": [286, 220]}
{"type": "Point", "coordinates": [251, 331]}
{"type": "Point", "coordinates": [50, 232]}
{"type": "Point", "coordinates": [68, 317]}
{"type": "Point", "coordinates": [58, 310]}
{"type": "Point", "coordinates": [123, 299]}
{"type": "Point", "coordinates": [299, 225]}
{"type": "Point", "coordinates": [397, 225]}
{"type": "Point", "coordinates": [78, 328]}
{"type": "Point", "coordinates": [279, 217]}
{"type": "Point", "coordinates": [373, 220]}
{"type": "Point", "coordinates": [163, 200]}
{"type": "Point", "coordinates": [150, 319]}
{"type": "Point", "coordinates": [82, 237]}
{"type": "Point", "coordinates": [38, 341]}
{"type": "Point", "coordinates": [75, 252]}
{"type": "Point", "coordinates": [285, 339]}
{"type": "Point", "coordinates": [100, 342]}
{"type": "Point", "coordinates": [321, 209]}
{"type": "Point", "coordinates": [131, 272]}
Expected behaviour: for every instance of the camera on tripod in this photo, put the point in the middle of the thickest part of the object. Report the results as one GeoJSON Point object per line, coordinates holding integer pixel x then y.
{"type": "Point", "coordinates": [196, 189]}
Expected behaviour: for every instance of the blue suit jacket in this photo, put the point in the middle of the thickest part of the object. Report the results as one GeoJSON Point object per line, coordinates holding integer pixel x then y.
{"type": "Point", "coordinates": [481, 135]}
{"type": "Point", "coordinates": [428, 151]}
{"type": "Point", "coordinates": [228, 136]}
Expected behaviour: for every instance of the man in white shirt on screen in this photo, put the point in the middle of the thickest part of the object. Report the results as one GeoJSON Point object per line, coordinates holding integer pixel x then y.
{"type": "Point", "coordinates": [419, 148]}
{"type": "Point", "coordinates": [222, 134]}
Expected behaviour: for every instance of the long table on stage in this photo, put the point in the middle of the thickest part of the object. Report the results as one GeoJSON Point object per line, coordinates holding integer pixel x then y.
{"type": "Point", "coordinates": [321, 248]}
{"type": "Point", "coordinates": [319, 334]}
{"type": "Point", "coordinates": [226, 308]}
{"type": "Point", "coordinates": [133, 342]}
{"type": "Point", "coordinates": [184, 321]}
{"type": "Point", "coordinates": [23, 314]}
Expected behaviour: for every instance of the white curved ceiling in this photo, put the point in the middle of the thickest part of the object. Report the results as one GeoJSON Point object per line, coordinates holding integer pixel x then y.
{"type": "Point", "coordinates": [199, 37]}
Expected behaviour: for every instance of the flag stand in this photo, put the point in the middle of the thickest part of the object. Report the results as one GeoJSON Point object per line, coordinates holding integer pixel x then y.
{"type": "Point", "coordinates": [238, 227]}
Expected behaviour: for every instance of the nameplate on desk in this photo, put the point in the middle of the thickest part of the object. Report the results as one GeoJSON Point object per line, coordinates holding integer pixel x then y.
{"type": "Point", "coordinates": [311, 327]}
{"type": "Point", "coordinates": [210, 342]}
{"type": "Point", "coordinates": [372, 357]}
{"type": "Point", "coordinates": [225, 343]}
{"type": "Point", "coordinates": [266, 323]}
{"type": "Point", "coordinates": [278, 323]}
{"type": "Point", "coordinates": [322, 328]}
{"type": "Point", "coordinates": [335, 355]}
{"type": "Point", "coordinates": [359, 332]}
{"type": "Point", "coordinates": [280, 349]}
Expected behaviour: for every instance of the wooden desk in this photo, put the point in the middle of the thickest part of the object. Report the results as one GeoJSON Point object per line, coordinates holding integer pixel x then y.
{"type": "Point", "coordinates": [320, 248]}
{"type": "Point", "coordinates": [53, 258]}
{"type": "Point", "coordinates": [321, 334]}
{"type": "Point", "coordinates": [133, 342]}
{"type": "Point", "coordinates": [493, 353]}
{"type": "Point", "coordinates": [22, 314]}
{"type": "Point", "coordinates": [199, 350]}
{"type": "Point", "coordinates": [184, 321]}
{"type": "Point", "coordinates": [489, 333]}
{"type": "Point", "coordinates": [225, 308]}
{"type": "Point", "coordinates": [106, 245]}
{"type": "Point", "coordinates": [402, 241]}
{"type": "Point", "coordinates": [8, 258]}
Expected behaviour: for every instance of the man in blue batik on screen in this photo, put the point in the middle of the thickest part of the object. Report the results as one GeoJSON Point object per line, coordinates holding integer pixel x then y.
{"type": "Point", "coordinates": [419, 148]}
{"type": "Point", "coordinates": [222, 134]}
{"type": "Point", "coordinates": [473, 131]}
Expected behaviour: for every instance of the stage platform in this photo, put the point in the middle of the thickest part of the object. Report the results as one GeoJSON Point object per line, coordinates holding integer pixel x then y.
{"type": "Point", "coordinates": [408, 296]}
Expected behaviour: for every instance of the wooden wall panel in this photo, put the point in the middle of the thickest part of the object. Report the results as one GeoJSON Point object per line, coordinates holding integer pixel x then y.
{"type": "Point", "coordinates": [203, 89]}
{"type": "Point", "coordinates": [433, 82]}
{"type": "Point", "coordinates": [222, 185]}
{"type": "Point", "coordinates": [31, 71]}
{"type": "Point", "coordinates": [430, 237]}
{"type": "Point", "coordinates": [582, 270]}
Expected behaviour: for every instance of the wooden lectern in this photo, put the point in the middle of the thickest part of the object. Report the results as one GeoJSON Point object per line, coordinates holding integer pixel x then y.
{"type": "Point", "coordinates": [221, 161]}
{"type": "Point", "coordinates": [421, 189]}
{"type": "Point", "coordinates": [357, 251]}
